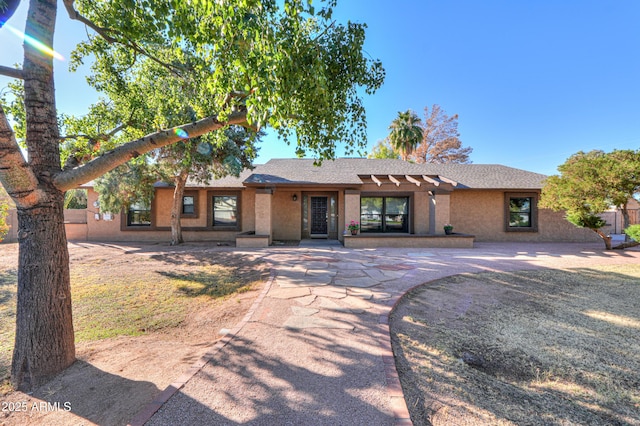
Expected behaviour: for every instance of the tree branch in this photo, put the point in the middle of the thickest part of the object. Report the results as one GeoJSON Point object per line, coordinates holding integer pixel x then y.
{"type": "Point", "coordinates": [106, 33]}
{"type": "Point", "coordinates": [70, 179]}
{"type": "Point", "coordinates": [101, 136]}
{"type": "Point", "coordinates": [11, 72]}
{"type": "Point", "coordinates": [15, 174]}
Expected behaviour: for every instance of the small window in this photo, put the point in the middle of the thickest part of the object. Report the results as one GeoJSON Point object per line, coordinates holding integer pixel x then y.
{"type": "Point", "coordinates": [139, 214]}
{"type": "Point", "coordinates": [225, 211]}
{"type": "Point", "coordinates": [188, 205]}
{"type": "Point", "coordinates": [521, 212]}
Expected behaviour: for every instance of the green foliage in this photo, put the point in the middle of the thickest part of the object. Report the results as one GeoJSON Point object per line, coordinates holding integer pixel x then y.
{"type": "Point", "coordinates": [383, 149]}
{"type": "Point", "coordinates": [590, 183]}
{"type": "Point", "coordinates": [75, 199]}
{"type": "Point", "coordinates": [406, 132]}
{"type": "Point", "coordinates": [293, 69]}
{"type": "Point", "coordinates": [4, 211]}
{"type": "Point", "coordinates": [586, 220]}
{"type": "Point", "coordinates": [5, 205]}
{"type": "Point", "coordinates": [125, 185]}
{"type": "Point", "coordinates": [14, 108]}
{"type": "Point", "coordinates": [633, 232]}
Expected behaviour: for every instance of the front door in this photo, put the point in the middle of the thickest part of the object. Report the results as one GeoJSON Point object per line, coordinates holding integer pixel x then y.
{"type": "Point", "coordinates": [319, 217]}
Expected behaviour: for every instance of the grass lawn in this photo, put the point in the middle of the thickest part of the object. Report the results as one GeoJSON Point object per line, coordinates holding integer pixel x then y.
{"type": "Point", "coordinates": [538, 347]}
{"type": "Point", "coordinates": [117, 294]}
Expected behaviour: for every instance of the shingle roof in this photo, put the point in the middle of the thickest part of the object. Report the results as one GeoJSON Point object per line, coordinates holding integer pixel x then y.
{"type": "Point", "coordinates": [345, 171]}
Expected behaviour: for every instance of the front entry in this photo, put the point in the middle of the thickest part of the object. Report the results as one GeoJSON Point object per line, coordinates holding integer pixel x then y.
{"type": "Point", "coordinates": [319, 217]}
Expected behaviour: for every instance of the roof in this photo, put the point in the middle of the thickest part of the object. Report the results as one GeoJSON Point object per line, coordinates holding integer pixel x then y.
{"type": "Point", "coordinates": [347, 171]}
{"type": "Point", "coordinates": [355, 171]}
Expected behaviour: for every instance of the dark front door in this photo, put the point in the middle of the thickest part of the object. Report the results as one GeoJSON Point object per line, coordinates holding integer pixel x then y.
{"type": "Point", "coordinates": [319, 216]}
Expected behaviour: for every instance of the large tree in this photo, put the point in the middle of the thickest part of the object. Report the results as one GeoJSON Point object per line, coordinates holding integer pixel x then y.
{"type": "Point", "coordinates": [591, 183]}
{"type": "Point", "coordinates": [406, 133]}
{"type": "Point", "coordinates": [250, 63]}
{"type": "Point", "coordinates": [383, 150]}
{"type": "Point", "coordinates": [440, 139]}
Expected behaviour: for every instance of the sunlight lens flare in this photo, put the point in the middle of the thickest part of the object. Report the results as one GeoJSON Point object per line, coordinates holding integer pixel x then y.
{"type": "Point", "coordinates": [181, 133]}
{"type": "Point", "coordinates": [35, 43]}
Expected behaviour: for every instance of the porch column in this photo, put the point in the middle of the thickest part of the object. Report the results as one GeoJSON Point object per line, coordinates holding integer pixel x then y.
{"type": "Point", "coordinates": [422, 213]}
{"type": "Point", "coordinates": [263, 212]}
{"type": "Point", "coordinates": [441, 201]}
{"type": "Point", "coordinates": [351, 208]}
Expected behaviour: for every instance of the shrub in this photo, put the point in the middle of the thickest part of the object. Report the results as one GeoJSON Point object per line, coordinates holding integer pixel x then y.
{"type": "Point", "coordinates": [633, 232]}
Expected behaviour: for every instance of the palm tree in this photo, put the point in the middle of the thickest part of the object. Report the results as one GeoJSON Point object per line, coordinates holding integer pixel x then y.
{"type": "Point", "coordinates": [406, 133]}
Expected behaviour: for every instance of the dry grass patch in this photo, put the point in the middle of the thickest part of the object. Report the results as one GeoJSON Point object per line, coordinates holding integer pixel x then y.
{"type": "Point", "coordinates": [143, 314]}
{"type": "Point", "coordinates": [537, 347]}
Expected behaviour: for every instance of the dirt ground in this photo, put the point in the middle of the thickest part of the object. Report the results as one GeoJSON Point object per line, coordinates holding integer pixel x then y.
{"type": "Point", "coordinates": [538, 348]}
{"type": "Point", "coordinates": [113, 379]}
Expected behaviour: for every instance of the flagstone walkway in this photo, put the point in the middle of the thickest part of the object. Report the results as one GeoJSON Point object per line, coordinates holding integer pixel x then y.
{"type": "Point", "coordinates": [315, 347]}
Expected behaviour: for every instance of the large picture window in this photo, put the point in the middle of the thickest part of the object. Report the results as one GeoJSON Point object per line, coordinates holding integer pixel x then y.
{"type": "Point", "coordinates": [225, 211]}
{"type": "Point", "coordinates": [384, 214]}
{"type": "Point", "coordinates": [521, 212]}
{"type": "Point", "coordinates": [139, 214]}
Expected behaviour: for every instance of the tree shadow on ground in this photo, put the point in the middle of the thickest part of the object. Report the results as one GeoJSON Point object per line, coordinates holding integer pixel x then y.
{"type": "Point", "coordinates": [80, 393]}
{"type": "Point", "coordinates": [271, 381]}
{"type": "Point", "coordinates": [8, 285]}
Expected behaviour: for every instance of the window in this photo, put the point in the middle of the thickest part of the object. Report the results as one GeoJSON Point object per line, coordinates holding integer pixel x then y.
{"type": "Point", "coordinates": [521, 212]}
{"type": "Point", "coordinates": [225, 211]}
{"type": "Point", "coordinates": [139, 214]}
{"type": "Point", "coordinates": [188, 205]}
{"type": "Point", "coordinates": [384, 214]}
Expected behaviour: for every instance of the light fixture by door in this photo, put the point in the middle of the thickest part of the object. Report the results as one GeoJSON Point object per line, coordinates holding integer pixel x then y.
{"type": "Point", "coordinates": [294, 197]}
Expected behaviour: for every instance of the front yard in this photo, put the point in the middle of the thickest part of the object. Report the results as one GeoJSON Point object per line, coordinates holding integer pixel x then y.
{"type": "Point", "coordinates": [141, 319]}
{"type": "Point", "coordinates": [538, 348]}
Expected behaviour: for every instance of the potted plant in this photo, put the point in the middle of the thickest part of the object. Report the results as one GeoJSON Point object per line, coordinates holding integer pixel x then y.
{"type": "Point", "coordinates": [353, 227]}
{"type": "Point", "coordinates": [448, 229]}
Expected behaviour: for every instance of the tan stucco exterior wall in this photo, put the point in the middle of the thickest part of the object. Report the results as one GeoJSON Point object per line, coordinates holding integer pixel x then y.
{"type": "Point", "coordinates": [421, 213]}
{"type": "Point", "coordinates": [351, 207]}
{"type": "Point", "coordinates": [286, 215]}
{"type": "Point", "coordinates": [476, 212]}
{"type": "Point", "coordinates": [263, 212]}
{"type": "Point", "coordinates": [482, 213]}
{"type": "Point", "coordinates": [103, 230]}
{"type": "Point", "coordinates": [442, 212]}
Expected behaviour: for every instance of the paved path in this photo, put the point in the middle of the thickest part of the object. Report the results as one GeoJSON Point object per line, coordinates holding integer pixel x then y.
{"type": "Point", "coordinates": [315, 349]}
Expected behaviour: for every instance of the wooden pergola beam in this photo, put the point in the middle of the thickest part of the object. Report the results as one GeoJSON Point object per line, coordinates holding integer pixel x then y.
{"type": "Point", "coordinates": [394, 180]}
{"type": "Point", "coordinates": [447, 180]}
{"type": "Point", "coordinates": [376, 180]}
{"type": "Point", "coordinates": [412, 180]}
{"type": "Point", "coordinates": [431, 181]}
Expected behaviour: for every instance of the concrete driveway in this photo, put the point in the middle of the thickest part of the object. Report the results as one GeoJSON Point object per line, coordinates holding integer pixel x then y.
{"type": "Point", "coordinates": [315, 347]}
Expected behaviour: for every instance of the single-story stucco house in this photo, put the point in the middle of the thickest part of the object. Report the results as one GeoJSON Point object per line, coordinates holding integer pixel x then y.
{"type": "Point", "coordinates": [396, 203]}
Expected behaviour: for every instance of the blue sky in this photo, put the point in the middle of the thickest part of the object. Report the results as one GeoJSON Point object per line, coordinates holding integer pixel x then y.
{"type": "Point", "coordinates": [532, 81]}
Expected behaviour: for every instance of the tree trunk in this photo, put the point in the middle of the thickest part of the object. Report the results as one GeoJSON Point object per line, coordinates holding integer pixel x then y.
{"type": "Point", "coordinates": [625, 217]}
{"type": "Point", "coordinates": [605, 238]}
{"type": "Point", "coordinates": [176, 208]}
{"type": "Point", "coordinates": [44, 344]}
